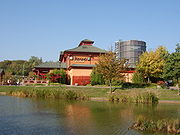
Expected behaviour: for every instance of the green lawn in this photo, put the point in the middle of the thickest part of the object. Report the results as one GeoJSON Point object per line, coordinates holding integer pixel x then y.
{"type": "Point", "coordinates": [163, 94]}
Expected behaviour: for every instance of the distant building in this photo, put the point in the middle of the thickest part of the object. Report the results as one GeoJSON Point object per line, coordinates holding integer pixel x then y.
{"type": "Point", "coordinates": [78, 63]}
{"type": "Point", "coordinates": [130, 50]}
{"type": "Point", "coordinates": [44, 68]}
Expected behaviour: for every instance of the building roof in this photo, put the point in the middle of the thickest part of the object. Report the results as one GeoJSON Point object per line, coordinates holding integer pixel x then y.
{"type": "Point", "coordinates": [86, 48]}
{"type": "Point", "coordinates": [1, 71]}
{"type": "Point", "coordinates": [52, 65]}
{"type": "Point", "coordinates": [87, 40]}
{"type": "Point", "coordinates": [82, 65]}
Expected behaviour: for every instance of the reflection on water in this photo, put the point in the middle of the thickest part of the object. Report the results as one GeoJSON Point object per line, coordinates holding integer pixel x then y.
{"type": "Point", "coordinates": [24, 116]}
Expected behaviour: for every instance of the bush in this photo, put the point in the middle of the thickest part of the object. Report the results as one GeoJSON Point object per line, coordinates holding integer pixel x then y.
{"type": "Point", "coordinates": [145, 98]}
{"type": "Point", "coordinates": [49, 93]}
{"type": "Point", "coordinates": [138, 78]}
{"type": "Point", "coordinates": [163, 84]}
{"type": "Point", "coordinates": [117, 82]}
{"type": "Point", "coordinates": [57, 76]}
{"type": "Point", "coordinates": [96, 78]}
{"type": "Point", "coordinates": [134, 85]}
{"type": "Point", "coordinates": [163, 125]}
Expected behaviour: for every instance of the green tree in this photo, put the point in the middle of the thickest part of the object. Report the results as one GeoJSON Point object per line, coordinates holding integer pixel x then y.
{"type": "Point", "coordinates": [30, 64]}
{"type": "Point", "coordinates": [151, 63]}
{"type": "Point", "coordinates": [7, 76]}
{"type": "Point", "coordinates": [138, 78]}
{"type": "Point", "coordinates": [35, 60]}
{"type": "Point", "coordinates": [20, 67]}
{"type": "Point", "coordinates": [172, 65]}
{"type": "Point", "coordinates": [96, 78]}
{"type": "Point", "coordinates": [110, 67]}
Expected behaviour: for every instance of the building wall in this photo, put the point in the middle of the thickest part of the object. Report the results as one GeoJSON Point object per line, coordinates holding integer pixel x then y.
{"type": "Point", "coordinates": [79, 76]}
{"type": "Point", "coordinates": [130, 50]}
{"type": "Point", "coordinates": [80, 58]}
{"type": "Point", "coordinates": [128, 77]}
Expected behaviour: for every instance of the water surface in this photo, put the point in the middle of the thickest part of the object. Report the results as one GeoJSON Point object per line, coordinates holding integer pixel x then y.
{"type": "Point", "coordinates": [28, 116]}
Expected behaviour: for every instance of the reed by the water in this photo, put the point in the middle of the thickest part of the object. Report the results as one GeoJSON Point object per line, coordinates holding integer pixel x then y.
{"type": "Point", "coordinates": [162, 125]}
{"type": "Point", "coordinates": [57, 93]}
{"type": "Point", "coordinates": [145, 97]}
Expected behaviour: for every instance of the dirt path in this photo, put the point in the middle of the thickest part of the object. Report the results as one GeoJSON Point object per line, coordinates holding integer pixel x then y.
{"type": "Point", "coordinates": [169, 101]}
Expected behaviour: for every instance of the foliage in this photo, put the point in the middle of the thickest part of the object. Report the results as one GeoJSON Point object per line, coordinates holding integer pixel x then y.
{"type": "Point", "coordinates": [20, 67]}
{"type": "Point", "coordinates": [31, 75]}
{"type": "Point", "coordinates": [117, 82]}
{"type": "Point", "coordinates": [163, 94]}
{"type": "Point", "coordinates": [96, 78]}
{"type": "Point", "coordinates": [40, 92]}
{"type": "Point", "coordinates": [57, 76]}
{"type": "Point", "coordinates": [163, 125]}
{"type": "Point", "coordinates": [143, 97]}
{"type": "Point", "coordinates": [7, 76]}
{"type": "Point", "coordinates": [134, 85]}
{"type": "Point", "coordinates": [110, 67]}
{"type": "Point", "coordinates": [151, 63]}
{"type": "Point", "coordinates": [138, 78]}
{"type": "Point", "coordinates": [172, 66]}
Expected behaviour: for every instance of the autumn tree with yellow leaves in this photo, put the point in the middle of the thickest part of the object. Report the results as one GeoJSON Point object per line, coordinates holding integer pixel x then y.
{"type": "Point", "coordinates": [151, 63]}
{"type": "Point", "coordinates": [110, 67]}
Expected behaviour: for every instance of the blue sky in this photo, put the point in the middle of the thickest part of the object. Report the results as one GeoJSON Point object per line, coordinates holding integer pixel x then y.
{"type": "Point", "coordinates": [43, 28]}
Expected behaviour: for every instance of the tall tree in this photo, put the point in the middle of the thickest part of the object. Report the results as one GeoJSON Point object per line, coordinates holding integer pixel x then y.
{"type": "Point", "coordinates": [151, 63]}
{"type": "Point", "coordinates": [110, 67]}
{"type": "Point", "coordinates": [20, 67]}
{"type": "Point", "coordinates": [172, 65]}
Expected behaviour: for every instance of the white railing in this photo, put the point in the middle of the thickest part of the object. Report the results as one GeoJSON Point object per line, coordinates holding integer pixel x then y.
{"type": "Point", "coordinates": [26, 82]}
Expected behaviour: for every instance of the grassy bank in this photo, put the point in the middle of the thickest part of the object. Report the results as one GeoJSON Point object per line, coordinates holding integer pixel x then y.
{"type": "Point", "coordinates": [44, 92]}
{"type": "Point", "coordinates": [103, 92]}
{"type": "Point", "coordinates": [132, 97]}
{"type": "Point", "coordinates": [164, 125]}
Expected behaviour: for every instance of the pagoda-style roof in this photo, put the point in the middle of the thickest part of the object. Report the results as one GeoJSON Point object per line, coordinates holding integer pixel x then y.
{"type": "Point", "coordinates": [52, 65]}
{"type": "Point", "coordinates": [86, 48]}
{"type": "Point", "coordinates": [87, 40]}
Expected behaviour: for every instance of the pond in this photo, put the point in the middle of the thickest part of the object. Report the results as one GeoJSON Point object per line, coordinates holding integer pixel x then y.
{"type": "Point", "coordinates": [29, 116]}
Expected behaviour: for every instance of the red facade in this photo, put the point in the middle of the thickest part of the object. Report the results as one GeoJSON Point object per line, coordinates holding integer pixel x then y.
{"type": "Point", "coordinates": [81, 80]}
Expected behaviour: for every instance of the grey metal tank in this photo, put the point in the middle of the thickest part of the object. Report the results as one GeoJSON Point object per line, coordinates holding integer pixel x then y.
{"type": "Point", "coordinates": [130, 50]}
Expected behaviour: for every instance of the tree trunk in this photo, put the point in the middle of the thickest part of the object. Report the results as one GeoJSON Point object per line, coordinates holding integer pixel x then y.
{"type": "Point", "coordinates": [148, 80]}
{"type": "Point", "coordinates": [110, 86]}
{"type": "Point", "coordinates": [178, 86]}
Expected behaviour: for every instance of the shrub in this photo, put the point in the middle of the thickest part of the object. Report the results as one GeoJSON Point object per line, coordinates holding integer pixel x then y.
{"type": "Point", "coordinates": [162, 84]}
{"type": "Point", "coordinates": [134, 85]}
{"type": "Point", "coordinates": [138, 78]}
{"type": "Point", "coordinates": [96, 78]}
{"type": "Point", "coordinates": [49, 93]}
{"type": "Point", "coordinates": [57, 76]}
{"type": "Point", "coordinates": [145, 98]}
{"type": "Point", "coordinates": [117, 82]}
{"type": "Point", "coordinates": [163, 125]}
